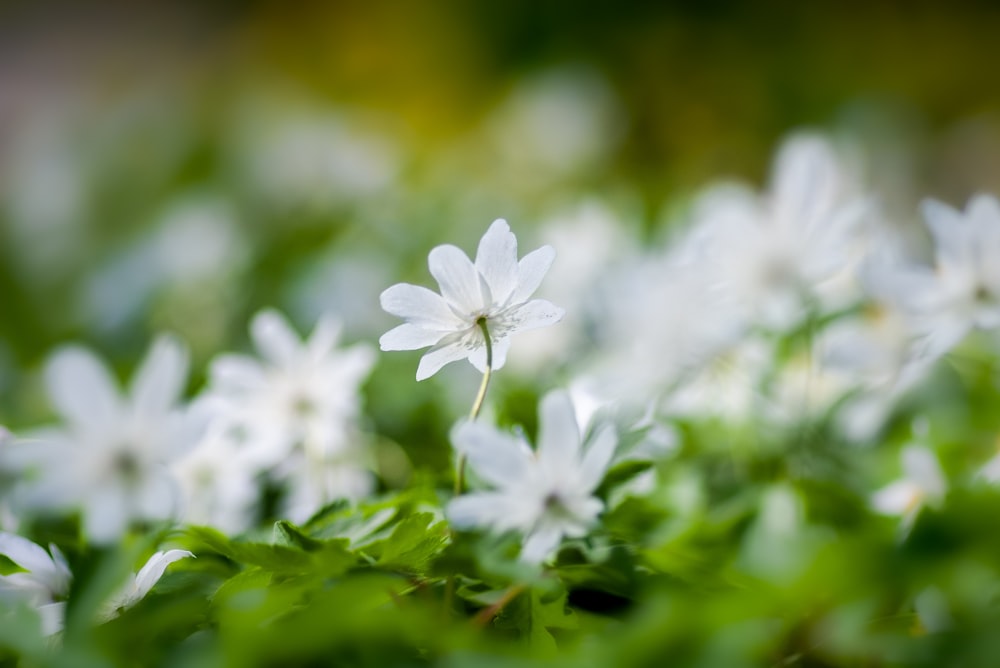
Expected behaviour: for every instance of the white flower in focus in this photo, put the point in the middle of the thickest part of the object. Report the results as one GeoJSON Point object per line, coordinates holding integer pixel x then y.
{"type": "Point", "coordinates": [301, 394]}
{"type": "Point", "coordinates": [923, 483]}
{"type": "Point", "coordinates": [139, 584]}
{"type": "Point", "coordinates": [495, 289]}
{"type": "Point", "coordinates": [544, 495]}
{"type": "Point", "coordinates": [44, 582]}
{"type": "Point", "coordinates": [110, 460]}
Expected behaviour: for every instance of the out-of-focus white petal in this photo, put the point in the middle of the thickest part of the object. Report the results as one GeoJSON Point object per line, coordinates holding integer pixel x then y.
{"type": "Point", "coordinates": [448, 350]}
{"type": "Point", "coordinates": [160, 380]}
{"type": "Point", "coordinates": [530, 272]}
{"type": "Point", "coordinates": [496, 457]}
{"type": "Point", "coordinates": [324, 337]}
{"type": "Point", "coordinates": [599, 453]}
{"type": "Point", "coordinates": [496, 260]}
{"type": "Point", "coordinates": [896, 498]}
{"type": "Point", "coordinates": [804, 182]}
{"type": "Point", "coordinates": [52, 616]}
{"type": "Point", "coordinates": [558, 433]}
{"type": "Point", "coordinates": [540, 544]}
{"type": "Point", "coordinates": [81, 388]}
{"type": "Point", "coordinates": [237, 373]}
{"type": "Point", "coordinates": [461, 284]}
{"type": "Point", "coordinates": [419, 306]}
{"type": "Point", "coordinates": [921, 466]}
{"type": "Point", "coordinates": [274, 337]}
{"type": "Point", "coordinates": [409, 337]}
{"type": "Point", "coordinates": [477, 509]}
{"type": "Point", "coordinates": [48, 571]}
{"type": "Point", "coordinates": [106, 514]}
{"type": "Point", "coordinates": [948, 228]}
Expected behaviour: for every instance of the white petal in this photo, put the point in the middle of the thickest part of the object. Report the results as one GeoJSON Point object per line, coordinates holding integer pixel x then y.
{"type": "Point", "coordinates": [496, 260]}
{"type": "Point", "coordinates": [448, 350]}
{"type": "Point", "coordinates": [921, 466]}
{"type": "Point", "coordinates": [948, 228]}
{"type": "Point", "coordinates": [274, 337]}
{"type": "Point", "coordinates": [536, 313]}
{"type": "Point", "coordinates": [805, 181]}
{"type": "Point", "coordinates": [81, 388]}
{"type": "Point", "coordinates": [324, 337]}
{"type": "Point", "coordinates": [237, 373]}
{"type": "Point", "coordinates": [36, 561]}
{"type": "Point", "coordinates": [52, 616]}
{"type": "Point", "coordinates": [500, 347]}
{"type": "Point", "coordinates": [498, 458]}
{"type": "Point", "coordinates": [160, 380]}
{"type": "Point", "coordinates": [598, 456]}
{"type": "Point", "coordinates": [558, 433]}
{"type": "Point", "coordinates": [409, 337]}
{"type": "Point", "coordinates": [541, 543]}
{"type": "Point", "coordinates": [106, 515]}
{"type": "Point", "coordinates": [419, 306]}
{"type": "Point", "coordinates": [896, 498]}
{"type": "Point", "coordinates": [461, 284]}
{"type": "Point", "coordinates": [530, 272]}
{"type": "Point", "coordinates": [479, 509]}
{"type": "Point", "coordinates": [151, 573]}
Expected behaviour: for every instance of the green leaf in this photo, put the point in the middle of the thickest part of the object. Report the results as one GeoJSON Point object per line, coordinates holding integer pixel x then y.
{"type": "Point", "coordinates": [413, 544]}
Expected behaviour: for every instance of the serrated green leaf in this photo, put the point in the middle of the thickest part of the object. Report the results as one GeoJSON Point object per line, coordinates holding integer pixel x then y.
{"type": "Point", "coordinates": [287, 534]}
{"type": "Point", "coordinates": [413, 543]}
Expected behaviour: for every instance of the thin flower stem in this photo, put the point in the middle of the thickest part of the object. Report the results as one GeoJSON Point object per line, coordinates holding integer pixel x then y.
{"type": "Point", "coordinates": [486, 615]}
{"type": "Point", "coordinates": [481, 395]}
{"type": "Point", "coordinates": [477, 405]}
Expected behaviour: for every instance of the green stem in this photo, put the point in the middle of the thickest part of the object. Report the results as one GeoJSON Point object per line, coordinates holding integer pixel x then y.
{"type": "Point", "coordinates": [477, 405]}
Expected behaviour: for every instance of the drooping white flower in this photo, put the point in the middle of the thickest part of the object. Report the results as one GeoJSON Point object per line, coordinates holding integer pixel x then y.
{"type": "Point", "coordinates": [962, 291]}
{"type": "Point", "coordinates": [110, 460]}
{"type": "Point", "coordinates": [44, 583]}
{"type": "Point", "coordinates": [923, 484]}
{"type": "Point", "coordinates": [544, 494]}
{"type": "Point", "coordinates": [496, 289]}
{"type": "Point", "coordinates": [139, 584]}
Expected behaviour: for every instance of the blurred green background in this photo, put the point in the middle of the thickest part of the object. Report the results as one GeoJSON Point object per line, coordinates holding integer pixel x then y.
{"type": "Point", "coordinates": [177, 166]}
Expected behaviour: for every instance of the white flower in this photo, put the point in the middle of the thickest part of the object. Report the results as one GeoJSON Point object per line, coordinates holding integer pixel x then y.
{"type": "Point", "coordinates": [139, 584]}
{"type": "Point", "coordinates": [110, 460]}
{"type": "Point", "coordinates": [301, 394]}
{"type": "Point", "coordinates": [771, 253]}
{"type": "Point", "coordinates": [923, 483]}
{"type": "Point", "coordinates": [44, 582]}
{"type": "Point", "coordinates": [962, 291]}
{"type": "Point", "coordinates": [495, 289]}
{"type": "Point", "coordinates": [544, 495]}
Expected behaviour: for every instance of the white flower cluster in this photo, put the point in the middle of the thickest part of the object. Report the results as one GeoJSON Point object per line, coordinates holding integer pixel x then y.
{"type": "Point", "coordinates": [123, 459]}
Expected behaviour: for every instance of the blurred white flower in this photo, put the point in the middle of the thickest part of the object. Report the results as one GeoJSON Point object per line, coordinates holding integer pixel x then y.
{"type": "Point", "coordinates": [773, 253]}
{"type": "Point", "coordinates": [962, 291]}
{"type": "Point", "coordinates": [218, 484]}
{"type": "Point", "coordinates": [544, 495]}
{"type": "Point", "coordinates": [302, 393]}
{"type": "Point", "coordinates": [923, 483]}
{"type": "Point", "coordinates": [139, 584]}
{"type": "Point", "coordinates": [44, 582]}
{"type": "Point", "coordinates": [110, 459]}
{"type": "Point", "coordinates": [495, 290]}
